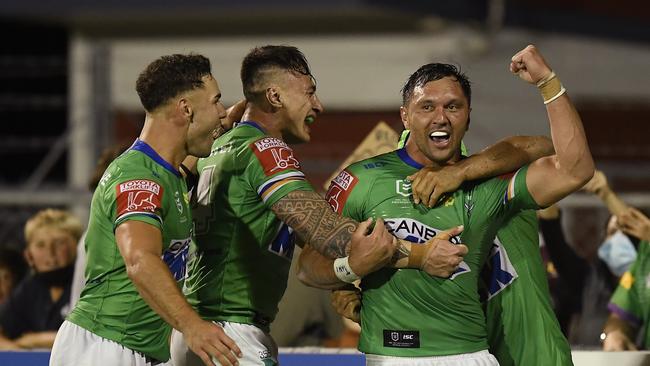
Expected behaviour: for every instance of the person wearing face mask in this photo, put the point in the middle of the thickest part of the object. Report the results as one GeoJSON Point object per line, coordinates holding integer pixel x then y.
{"type": "Point", "coordinates": [36, 309]}
{"type": "Point", "coordinates": [629, 308]}
{"type": "Point", "coordinates": [585, 287]}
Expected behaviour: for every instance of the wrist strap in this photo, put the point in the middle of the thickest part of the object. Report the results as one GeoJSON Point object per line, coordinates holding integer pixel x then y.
{"type": "Point", "coordinates": [416, 257]}
{"type": "Point", "coordinates": [551, 88]}
{"type": "Point", "coordinates": [343, 271]}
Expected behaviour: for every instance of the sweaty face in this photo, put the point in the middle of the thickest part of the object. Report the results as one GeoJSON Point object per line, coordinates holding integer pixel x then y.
{"type": "Point", "coordinates": [301, 106]}
{"type": "Point", "coordinates": [437, 115]}
{"type": "Point", "coordinates": [50, 248]}
{"type": "Point", "coordinates": [206, 119]}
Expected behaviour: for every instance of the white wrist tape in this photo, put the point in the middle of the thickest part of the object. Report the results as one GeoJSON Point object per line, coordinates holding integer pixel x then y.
{"type": "Point", "coordinates": [343, 271]}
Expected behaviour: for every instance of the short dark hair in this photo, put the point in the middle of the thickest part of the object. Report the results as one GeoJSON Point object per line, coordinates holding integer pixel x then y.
{"type": "Point", "coordinates": [14, 263]}
{"type": "Point", "coordinates": [169, 76]}
{"type": "Point", "coordinates": [262, 59]}
{"type": "Point", "coordinates": [432, 72]}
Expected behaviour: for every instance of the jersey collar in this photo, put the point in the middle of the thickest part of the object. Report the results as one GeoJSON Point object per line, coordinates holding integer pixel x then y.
{"type": "Point", "coordinates": [252, 124]}
{"type": "Point", "coordinates": [144, 148]}
{"type": "Point", "coordinates": [407, 159]}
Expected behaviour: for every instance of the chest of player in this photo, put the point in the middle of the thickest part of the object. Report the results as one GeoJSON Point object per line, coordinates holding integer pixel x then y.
{"type": "Point", "coordinates": [391, 199]}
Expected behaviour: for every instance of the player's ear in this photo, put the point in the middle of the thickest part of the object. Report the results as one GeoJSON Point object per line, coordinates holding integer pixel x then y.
{"type": "Point", "coordinates": [185, 108]}
{"type": "Point", "coordinates": [273, 97]}
{"type": "Point", "coordinates": [468, 119]}
{"type": "Point", "coordinates": [403, 113]}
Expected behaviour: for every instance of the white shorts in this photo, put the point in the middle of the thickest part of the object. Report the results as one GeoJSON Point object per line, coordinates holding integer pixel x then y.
{"type": "Point", "coordinates": [480, 358]}
{"type": "Point", "coordinates": [76, 346]}
{"type": "Point", "coordinates": [257, 347]}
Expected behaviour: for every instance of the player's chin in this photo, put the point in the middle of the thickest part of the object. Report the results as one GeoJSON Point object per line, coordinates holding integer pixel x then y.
{"type": "Point", "coordinates": [202, 150]}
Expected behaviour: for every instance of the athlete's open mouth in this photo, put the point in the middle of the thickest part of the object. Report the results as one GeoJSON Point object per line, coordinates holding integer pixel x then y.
{"type": "Point", "coordinates": [439, 136]}
{"type": "Point", "coordinates": [310, 119]}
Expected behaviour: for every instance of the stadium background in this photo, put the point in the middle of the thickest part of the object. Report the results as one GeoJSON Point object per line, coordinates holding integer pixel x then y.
{"type": "Point", "coordinates": [67, 73]}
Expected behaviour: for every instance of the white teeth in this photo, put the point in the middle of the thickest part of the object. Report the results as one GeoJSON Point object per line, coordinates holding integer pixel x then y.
{"type": "Point", "coordinates": [439, 134]}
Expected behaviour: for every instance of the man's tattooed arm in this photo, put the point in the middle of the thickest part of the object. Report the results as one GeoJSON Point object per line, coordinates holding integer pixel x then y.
{"type": "Point", "coordinates": [311, 217]}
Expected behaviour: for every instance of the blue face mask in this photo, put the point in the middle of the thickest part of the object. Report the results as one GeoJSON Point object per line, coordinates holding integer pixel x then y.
{"type": "Point", "coordinates": [618, 252]}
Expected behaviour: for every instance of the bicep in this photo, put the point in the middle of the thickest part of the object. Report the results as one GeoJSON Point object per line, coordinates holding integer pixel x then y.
{"type": "Point", "coordinates": [135, 238]}
{"type": "Point", "coordinates": [545, 182]}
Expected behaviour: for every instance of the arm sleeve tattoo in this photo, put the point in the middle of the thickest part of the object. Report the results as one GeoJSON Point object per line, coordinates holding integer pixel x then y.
{"type": "Point", "coordinates": [311, 217]}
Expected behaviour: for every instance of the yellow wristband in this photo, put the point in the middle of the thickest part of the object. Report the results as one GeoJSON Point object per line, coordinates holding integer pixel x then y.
{"type": "Point", "coordinates": [416, 257]}
{"type": "Point", "coordinates": [551, 88]}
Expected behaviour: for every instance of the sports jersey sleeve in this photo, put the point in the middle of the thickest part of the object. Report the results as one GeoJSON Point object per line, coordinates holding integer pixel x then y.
{"type": "Point", "coordinates": [345, 196]}
{"type": "Point", "coordinates": [133, 198]}
{"type": "Point", "coordinates": [273, 170]}
{"type": "Point", "coordinates": [625, 301]}
{"type": "Point", "coordinates": [516, 194]}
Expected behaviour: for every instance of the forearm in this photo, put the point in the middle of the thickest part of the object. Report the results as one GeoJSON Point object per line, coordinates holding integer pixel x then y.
{"type": "Point", "coordinates": [7, 344]}
{"type": "Point", "coordinates": [36, 340]}
{"type": "Point", "coordinates": [316, 270]}
{"type": "Point", "coordinates": [572, 156]}
{"type": "Point", "coordinates": [505, 156]}
{"type": "Point", "coordinates": [160, 291]}
{"type": "Point", "coordinates": [311, 217]}
{"type": "Point", "coordinates": [614, 204]}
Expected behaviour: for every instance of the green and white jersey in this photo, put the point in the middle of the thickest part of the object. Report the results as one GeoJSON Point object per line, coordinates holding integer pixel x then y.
{"type": "Point", "coordinates": [407, 312]}
{"type": "Point", "coordinates": [631, 300]}
{"type": "Point", "coordinates": [243, 251]}
{"type": "Point", "coordinates": [518, 299]}
{"type": "Point", "coordinates": [138, 185]}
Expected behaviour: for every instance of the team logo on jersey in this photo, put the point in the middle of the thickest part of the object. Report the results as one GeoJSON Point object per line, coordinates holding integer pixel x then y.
{"type": "Point", "coordinates": [138, 196]}
{"type": "Point", "coordinates": [179, 204]}
{"type": "Point", "coordinates": [176, 257]}
{"type": "Point", "coordinates": [469, 207]}
{"type": "Point", "coordinates": [419, 233]}
{"type": "Point", "coordinates": [403, 187]}
{"type": "Point", "coordinates": [340, 190]}
{"type": "Point", "coordinates": [274, 155]}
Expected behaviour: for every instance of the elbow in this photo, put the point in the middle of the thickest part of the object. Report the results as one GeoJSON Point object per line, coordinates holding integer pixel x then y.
{"type": "Point", "coordinates": [134, 266]}
{"type": "Point", "coordinates": [584, 173]}
{"type": "Point", "coordinates": [305, 279]}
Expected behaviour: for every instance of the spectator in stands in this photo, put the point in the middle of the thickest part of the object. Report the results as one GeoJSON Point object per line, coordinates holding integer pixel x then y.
{"type": "Point", "coordinates": [630, 304]}
{"type": "Point", "coordinates": [37, 307]}
{"type": "Point", "coordinates": [12, 271]}
{"type": "Point", "coordinates": [587, 285]}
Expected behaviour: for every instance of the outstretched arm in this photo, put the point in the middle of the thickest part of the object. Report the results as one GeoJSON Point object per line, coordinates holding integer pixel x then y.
{"type": "Point", "coordinates": [599, 187]}
{"type": "Point", "coordinates": [505, 156]}
{"type": "Point", "coordinates": [334, 236]}
{"type": "Point", "coordinates": [549, 179]}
